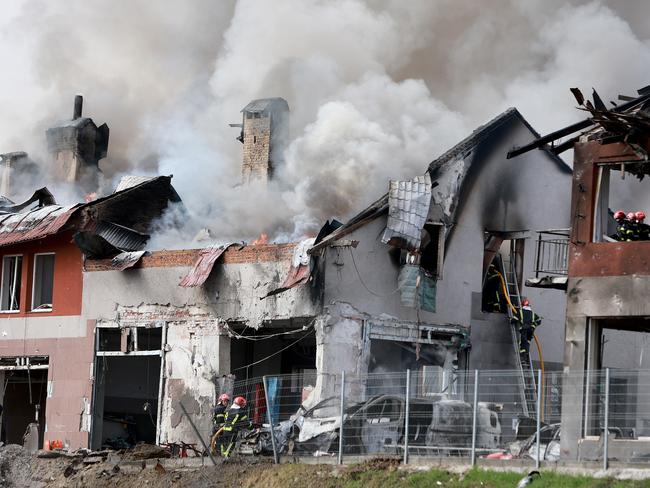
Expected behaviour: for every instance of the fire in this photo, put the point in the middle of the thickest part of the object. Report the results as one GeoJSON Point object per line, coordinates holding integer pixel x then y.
{"type": "Point", "coordinates": [262, 239]}
{"type": "Point", "coordinates": [89, 197]}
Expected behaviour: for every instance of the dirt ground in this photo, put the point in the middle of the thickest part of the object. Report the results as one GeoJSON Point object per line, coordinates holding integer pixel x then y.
{"type": "Point", "coordinates": [147, 467]}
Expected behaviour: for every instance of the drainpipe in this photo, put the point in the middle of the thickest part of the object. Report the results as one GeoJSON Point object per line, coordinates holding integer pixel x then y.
{"type": "Point", "coordinates": [163, 350]}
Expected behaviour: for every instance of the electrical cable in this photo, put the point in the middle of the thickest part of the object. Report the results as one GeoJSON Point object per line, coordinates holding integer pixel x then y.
{"type": "Point", "coordinates": [263, 337]}
{"type": "Point", "coordinates": [275, 353]}
{"type": "Point", "coordinates": [364, 284]}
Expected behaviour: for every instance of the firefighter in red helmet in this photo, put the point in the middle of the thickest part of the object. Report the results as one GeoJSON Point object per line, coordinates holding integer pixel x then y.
{"type": "Point", "coordinates": [643, 230]}
{"type": "Point", "coordinates": [528, 321]}
{"type": "Point", "coordinates": [236, 420]}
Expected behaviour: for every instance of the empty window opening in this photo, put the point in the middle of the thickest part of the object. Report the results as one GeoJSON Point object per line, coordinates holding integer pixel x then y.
{"type": "Point", "coordinates": [23, 401]}
{"type": "Point", "coordinates": [11, 281]}
{"type": "Point", "coordinates": [43, 285]}
{"type": "Point", "coordinates": [254, 139]}
{"type": "Point", "coordinates": [109, 339]}
{"type": "Point", "coordinates": [432, 249]}
{"type": "Point", "coordinates": [503, 274]}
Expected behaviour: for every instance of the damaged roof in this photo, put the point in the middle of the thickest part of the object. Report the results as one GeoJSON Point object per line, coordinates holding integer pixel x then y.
{"type": "Point", "coordinates": [108, 225]}
{"type": "Point", "coordinates": [448, 173]}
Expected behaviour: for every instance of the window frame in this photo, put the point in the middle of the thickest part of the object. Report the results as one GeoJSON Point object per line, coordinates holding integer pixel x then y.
{"type": "Point", "coordinates": [2, 283]}
{"type": "Point", "coordinates": [32, 309]}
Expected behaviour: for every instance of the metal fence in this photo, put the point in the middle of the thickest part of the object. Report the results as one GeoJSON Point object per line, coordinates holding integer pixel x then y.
{"type": "Point", "coordinates": [431, 412]}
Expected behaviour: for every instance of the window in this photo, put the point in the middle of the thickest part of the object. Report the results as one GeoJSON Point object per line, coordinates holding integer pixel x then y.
{"type": "Point", "coordinates": [43, 282]}
{"type": "Point", "coordinates": [11, 274]}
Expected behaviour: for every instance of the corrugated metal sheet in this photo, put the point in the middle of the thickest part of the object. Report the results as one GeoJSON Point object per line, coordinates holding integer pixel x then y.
{"type": "Point", "coordinates": [35, 224]}
{"type": "Point", "coordinates": [203, 266]}
{"type": "Point", "coordinates": [126, 260]}
{"type": "Point", "coordinates": [408, 208]}
{"type": "Point", "coordinates": [298, 275]}
{"type": "Point", "coordinates": [121, 237]}
{"type": "Point", "coordinates": [130, 181]}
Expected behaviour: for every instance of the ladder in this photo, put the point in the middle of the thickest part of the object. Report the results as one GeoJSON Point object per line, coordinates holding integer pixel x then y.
{"type": "Point", "coordinates": [527, 386]}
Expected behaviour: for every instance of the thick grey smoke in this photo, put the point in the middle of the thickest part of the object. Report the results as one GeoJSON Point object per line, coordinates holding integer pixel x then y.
{"type": "Point", "coordinates": [377, 88]}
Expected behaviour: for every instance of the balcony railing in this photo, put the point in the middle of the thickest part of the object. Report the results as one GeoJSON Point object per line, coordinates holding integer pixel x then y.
{"type": "Point", "coordinates": [551, 253]}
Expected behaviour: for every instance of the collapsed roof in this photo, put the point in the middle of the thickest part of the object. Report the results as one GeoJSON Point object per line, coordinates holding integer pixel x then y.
{"type": "Point", "coordinates": [628, 122]}
{"type": "Point", "coordinates": [104, 227]}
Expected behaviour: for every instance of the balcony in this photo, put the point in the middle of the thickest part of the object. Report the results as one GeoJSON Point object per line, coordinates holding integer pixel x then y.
{"type": "Point", "coordinates": [551, 259]}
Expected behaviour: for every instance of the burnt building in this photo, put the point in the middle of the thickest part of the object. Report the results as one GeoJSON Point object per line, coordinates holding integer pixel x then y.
{"type": "Point", "coordinates": [398, 286]}
{"type": "Point", "coordinates": [607, 311]}
{"type": "Point", "coordinates": [46, 346]}
{"type": "Point", "coordinates": [76, 147]}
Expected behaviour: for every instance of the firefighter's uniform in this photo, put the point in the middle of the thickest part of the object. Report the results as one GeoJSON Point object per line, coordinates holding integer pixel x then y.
{"type": "Point", "coordinates": [236, 419]}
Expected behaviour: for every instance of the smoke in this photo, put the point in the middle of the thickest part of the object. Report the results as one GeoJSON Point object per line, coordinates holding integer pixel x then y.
{"type": "Point", "coordinates": [377, 89]}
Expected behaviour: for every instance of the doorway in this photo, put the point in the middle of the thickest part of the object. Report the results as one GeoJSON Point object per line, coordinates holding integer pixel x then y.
{"type": "Point", "coordinates": [24, 394]}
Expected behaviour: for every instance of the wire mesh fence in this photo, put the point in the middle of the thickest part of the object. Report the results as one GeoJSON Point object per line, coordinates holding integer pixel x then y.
{"type": "Point", "coordinates": [592, 416]}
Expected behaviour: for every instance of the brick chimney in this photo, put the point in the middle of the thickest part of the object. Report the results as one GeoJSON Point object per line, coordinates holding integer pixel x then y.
{"type": "Point", "coordinates": [265, 134]}
{"type": "Point", "coordinates": [76, 147]}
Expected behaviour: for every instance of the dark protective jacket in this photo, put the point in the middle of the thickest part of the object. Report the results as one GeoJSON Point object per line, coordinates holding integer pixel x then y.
{"type": "Point", "coordinates": [236, 419]}
{"type": "Point", "coordinates": [527, 318]}
{"type": "Point", "coordinates": [625, 230]}
{"type": "Point", "coordinates": [218, 415]}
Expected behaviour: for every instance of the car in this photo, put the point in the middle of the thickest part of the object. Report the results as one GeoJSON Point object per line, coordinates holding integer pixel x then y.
{"type": "Point", "coordinates": [436, 423]}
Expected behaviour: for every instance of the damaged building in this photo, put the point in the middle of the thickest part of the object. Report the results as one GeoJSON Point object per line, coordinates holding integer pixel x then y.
{"type": "Point", "coordinates": [398, 286]}
{"type": "Point", "coordinates": [114, 340]}
{"type": "Point", "coordinates": [608, 277]}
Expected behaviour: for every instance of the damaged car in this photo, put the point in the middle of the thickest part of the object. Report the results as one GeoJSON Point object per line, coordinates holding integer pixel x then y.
{"type": "Point", "coordinates": [377, 426]}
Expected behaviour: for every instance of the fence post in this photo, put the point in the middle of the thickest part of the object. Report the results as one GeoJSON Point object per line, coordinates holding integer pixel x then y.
{"type": "Point", "coordinates": [340, 461]}
{"type": "Point", "coordinates": [474, 417]}
{"type": "Point", "coordinates": [407, 412]}
{"type": "Point", "coordinates": [539, 415]}
{"type": "Point", "coordinates": [276, 459]}
{"type": "Point", "coordinates": [606, 422]}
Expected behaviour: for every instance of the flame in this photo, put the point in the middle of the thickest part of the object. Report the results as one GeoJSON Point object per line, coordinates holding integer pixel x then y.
{"type": "Point", "coordinates": [89, 197]}
{"type": "Point", "coordinates": [262, 239]}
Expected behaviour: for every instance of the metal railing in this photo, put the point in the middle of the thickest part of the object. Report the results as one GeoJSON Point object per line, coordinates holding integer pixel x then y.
{"type": "Point", "coordinates": [601, 417]}
{"type": "Point", "coordinates": [552, 252]}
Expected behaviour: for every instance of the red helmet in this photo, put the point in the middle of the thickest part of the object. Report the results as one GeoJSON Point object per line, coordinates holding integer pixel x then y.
{"type": "Point", "coordinates": [224, 397]}
{"type": "Point", "coordinates": [640, 215]}
{"type": "Point", "coordinates": [241, 401]}
{"type": "Point", "coordinates": [525, 302]}
{"type": "Point", "coordinates": [631, 216]}
{"type": "Point", "coordinates": [619, 214]}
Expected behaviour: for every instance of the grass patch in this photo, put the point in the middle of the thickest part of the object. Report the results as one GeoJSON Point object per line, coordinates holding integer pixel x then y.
{"type": "Point", "coordinates": [478, 478]}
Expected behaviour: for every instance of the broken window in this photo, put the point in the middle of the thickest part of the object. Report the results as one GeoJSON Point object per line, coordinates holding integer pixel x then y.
{"type": "Point", "coordinates": [11, 279]}
{"type": "Point", "coordinates": [43, 285]}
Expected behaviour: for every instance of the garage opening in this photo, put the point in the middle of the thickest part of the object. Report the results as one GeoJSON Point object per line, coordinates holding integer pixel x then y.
{"type": "Point", "coordinates": [126, 401]}
{"type": "Point", "coordinates": [23, 393]}
{"type": "Point", "coordinates": [280, 348]}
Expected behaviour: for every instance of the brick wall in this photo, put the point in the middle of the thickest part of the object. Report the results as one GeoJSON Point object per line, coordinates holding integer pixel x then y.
{"type": "Point", "coordinates": [257, 149]}
{"type": "Point", "coordinates": [186, 257]}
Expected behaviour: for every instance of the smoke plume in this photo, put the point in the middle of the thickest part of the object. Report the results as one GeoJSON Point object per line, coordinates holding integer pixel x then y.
{"type": "Point", "coordinates": [377, 88]}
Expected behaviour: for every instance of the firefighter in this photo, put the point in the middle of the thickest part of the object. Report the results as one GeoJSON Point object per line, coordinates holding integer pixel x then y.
{"type": "Point", "coordinates": [236, 420]}
{"type": "Point", "coordinates": [643, 229]}
{"type": "Point", "coordinates": [633, 227]}
{"type": "Point", "coordinates": [528, 321]}
{"type": "Point", "coordinates": [219, 412]}
{"type": "Point", "coordinates": [492, 297]}
{"type": "Point", "coordinates": [623, 229]}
